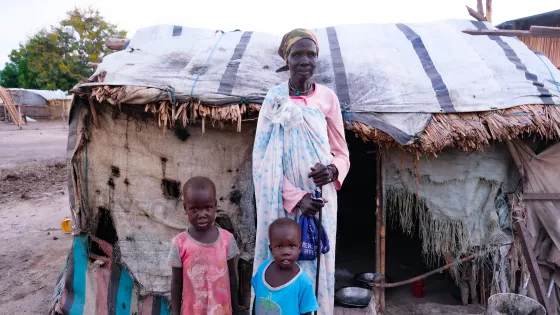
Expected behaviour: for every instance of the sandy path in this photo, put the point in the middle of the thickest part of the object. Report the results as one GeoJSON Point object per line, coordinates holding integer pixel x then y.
{"type": "Point", "coordinates": [33, 202]}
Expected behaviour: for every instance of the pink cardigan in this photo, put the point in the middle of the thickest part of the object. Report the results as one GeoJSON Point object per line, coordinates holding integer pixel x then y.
{"type": "Point", "coordinates": [326, 100]}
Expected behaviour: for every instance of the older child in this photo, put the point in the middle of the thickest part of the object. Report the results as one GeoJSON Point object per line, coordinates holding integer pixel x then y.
{"type": "Point", "coordinates": [204, 279]}
{"type": "Point", "coordinates": [281, 286]}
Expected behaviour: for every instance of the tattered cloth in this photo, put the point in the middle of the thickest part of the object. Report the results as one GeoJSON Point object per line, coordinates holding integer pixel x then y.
{"type": "Point", "coordinates": [392, 77]}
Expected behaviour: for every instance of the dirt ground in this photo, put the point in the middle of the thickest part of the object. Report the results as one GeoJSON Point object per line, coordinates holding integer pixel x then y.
{"type": "Point", "coordinates": [33, 203]}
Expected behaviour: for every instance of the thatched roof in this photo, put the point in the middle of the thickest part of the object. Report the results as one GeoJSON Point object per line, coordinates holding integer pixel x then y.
{"type": "Point", "coordinates": [424, 87]}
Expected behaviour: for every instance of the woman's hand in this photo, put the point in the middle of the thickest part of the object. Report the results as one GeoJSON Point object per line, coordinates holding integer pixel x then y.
{"type": "Point", "coordinates": [322, 174]}
{"type": "Point", "coordinates": [310, 206]}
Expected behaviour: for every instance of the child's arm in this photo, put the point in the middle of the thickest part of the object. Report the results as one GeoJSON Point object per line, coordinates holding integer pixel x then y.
{"type": "Point", "coordinates": [176, 290]}
{"type": "Point", "coordinates": [232, 267]}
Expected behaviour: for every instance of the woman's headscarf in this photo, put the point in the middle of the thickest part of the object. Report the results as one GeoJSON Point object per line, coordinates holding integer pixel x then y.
{"type": "Point", "coordinates": [290, 39]}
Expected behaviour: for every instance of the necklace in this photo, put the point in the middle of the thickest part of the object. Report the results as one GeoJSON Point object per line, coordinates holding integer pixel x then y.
{"type": "Point", "coordinates": [298, 92]}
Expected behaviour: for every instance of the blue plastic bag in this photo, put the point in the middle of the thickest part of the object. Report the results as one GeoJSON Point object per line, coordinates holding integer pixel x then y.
{"type": "Point", "coordinates": [309, 238]}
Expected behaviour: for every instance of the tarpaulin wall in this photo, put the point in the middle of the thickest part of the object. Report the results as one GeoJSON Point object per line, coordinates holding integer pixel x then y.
{"type": "Point", "coordinates": [455, 201]}
{"type": "Point", "coordinates": [131, 169]}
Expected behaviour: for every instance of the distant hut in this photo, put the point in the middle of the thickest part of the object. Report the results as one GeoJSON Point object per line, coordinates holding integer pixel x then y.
{"type": "Point", "coordinates": [39, 104]}
{"type": "Point", "coordinates": [550, 47]}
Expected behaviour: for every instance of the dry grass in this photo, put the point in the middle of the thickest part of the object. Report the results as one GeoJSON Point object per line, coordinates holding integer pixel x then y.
{"type": "Point", "coordinates": [473, 131]}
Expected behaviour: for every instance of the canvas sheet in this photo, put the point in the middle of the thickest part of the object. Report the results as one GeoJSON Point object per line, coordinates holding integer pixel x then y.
{"type": "Point", "coordinates": [121, 169]}
{"type": "Point", "coordinates": [374, 68]}
{"type": "Point", "coordinates": [461, 197]}
{"type": "Point", "coordinates": [91, 289]}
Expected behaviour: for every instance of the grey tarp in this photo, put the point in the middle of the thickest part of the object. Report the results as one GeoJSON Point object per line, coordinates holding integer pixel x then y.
{"type": "Point", "coordinates": [456, 197]}
{"type": "Point", "coordinates": [389, 76]}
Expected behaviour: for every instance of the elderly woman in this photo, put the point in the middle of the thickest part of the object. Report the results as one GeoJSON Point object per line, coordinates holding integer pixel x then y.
{"type": "Point", "coordinates": [300, 145]}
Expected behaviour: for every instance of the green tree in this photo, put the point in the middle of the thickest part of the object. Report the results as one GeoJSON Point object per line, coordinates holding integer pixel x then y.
{"type": "Point", "coordinates": [57, 58]}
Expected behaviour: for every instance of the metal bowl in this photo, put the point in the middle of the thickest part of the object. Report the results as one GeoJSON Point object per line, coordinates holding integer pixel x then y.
{"type": "Point", "coordinates": [365, 278]}
{"type": "Point", "coordinates": [353, 297]}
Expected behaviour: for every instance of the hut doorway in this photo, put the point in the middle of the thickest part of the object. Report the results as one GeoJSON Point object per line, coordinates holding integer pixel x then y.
{"type": "Point", "coordinates": [355, 241]}
{"type": "Point", "coordinates": [356, 237]}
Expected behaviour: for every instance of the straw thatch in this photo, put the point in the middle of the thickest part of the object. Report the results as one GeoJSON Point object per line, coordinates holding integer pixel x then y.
{"type": "Point", "coordinates": [473, 131]}
{"type": "Point", "coordinates": [467, 131]}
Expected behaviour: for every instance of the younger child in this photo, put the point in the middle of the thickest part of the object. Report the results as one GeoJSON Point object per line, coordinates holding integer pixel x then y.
{"type": "Point", "coordinates": [281, 286]}
{"type": "Point", "coordinates": [204, 279]}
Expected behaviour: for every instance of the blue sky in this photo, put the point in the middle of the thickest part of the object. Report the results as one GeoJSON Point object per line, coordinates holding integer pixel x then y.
{"type": "Point", "coordinates": [21, 18]}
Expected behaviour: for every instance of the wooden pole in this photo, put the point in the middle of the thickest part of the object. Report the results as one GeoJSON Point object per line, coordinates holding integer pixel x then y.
{"type": "Point", "coordinates": [424, 276]}
{"type": "Point", "coordinates": [115, 43]}
{"type": "Point", "coordinates": [382, 232]}
{"type": "Point", "coordinates": [479, 8]}
{"type": "Point", "coordinates": [489, 10]}
{"type": "Point", "coordinates": [476, 15]}
{"type": "Point", "coordinates": [378, 227]}
{"type": "Point", "coordinates": [93, 113]}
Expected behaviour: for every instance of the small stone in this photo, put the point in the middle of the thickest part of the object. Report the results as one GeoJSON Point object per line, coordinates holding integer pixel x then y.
{"type": "Point", "coordinates": [48, 233]}
{"type": "Point", "coordinates": [54, 238]}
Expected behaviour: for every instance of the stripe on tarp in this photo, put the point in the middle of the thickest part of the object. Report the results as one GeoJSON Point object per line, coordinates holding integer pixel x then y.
{"type": "Point", "coordinates": [340, 80]}
{"type": "Point", "coordinates": [442, 93]}
{"type": "Point", "coordinates": [77, 298]}
{"type": "Point", "coordinates": [177, 30]}
{"type": "Point", "coordinates": [124, 293]}
{"type": "Point", "coordinates": [228, 79]}
{"type": "Point", "coordinates": [545, 95]}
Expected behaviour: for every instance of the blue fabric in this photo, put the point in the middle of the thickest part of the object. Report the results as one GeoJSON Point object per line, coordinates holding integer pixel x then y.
{"type": "Point", "coordinates": [80, 251]}
{"type": "Point", "coordinates": [276, 301]}
{"type": "Point", "coordinates": [164, 309]}
{"type": "Point", "coordinates": [124, 293]}
{"type": "Point", "coordinates": [310, 238]}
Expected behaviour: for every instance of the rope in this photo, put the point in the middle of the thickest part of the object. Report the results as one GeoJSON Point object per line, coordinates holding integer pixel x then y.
{"type": "Point", "coordinates": [207, 59]}
{"type": "Point", "coordinates": [550, 72]}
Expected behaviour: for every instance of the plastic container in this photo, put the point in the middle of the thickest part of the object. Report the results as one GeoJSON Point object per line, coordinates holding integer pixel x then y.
{"type": "Point", "coordinates": [418, 288]}
{"type": "Point", "coordinates": [66, 226]}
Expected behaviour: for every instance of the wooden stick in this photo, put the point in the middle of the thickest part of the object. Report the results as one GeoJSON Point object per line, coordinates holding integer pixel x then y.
{"type": "Point", "coordinates": [382, 232]}
{"type": "Point", "coordinates": [93, 113]}
{"type": "Point", "coordinates": [482, 287]}
{"type": "Point", "coordinates": [545, 31]}
{"type": "Point", "coordinates": [479, 8]}
{"type": "Point", "coordinates": [498, 32]}
{"type": "Point", "coordinates": [489, 10]}
{"type": "Point", "coordinates": [476, 15]}
{"type": "Point", "coordinates": [534, 270]}
{"type": "Point", "coordinates": [379, 264]}
{"type": "Point", "coordinates": [472, 282]}
{"type": "Point", "coordinates": [115, 43]}
{"type": "Point", "coordinates": [424, 276]}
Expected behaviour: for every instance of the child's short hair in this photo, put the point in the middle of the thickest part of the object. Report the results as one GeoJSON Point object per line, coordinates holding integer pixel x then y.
{"type": "Point", "coordinates": [283, 223]}
{"type": "Point", "coordinates": [199, 182]}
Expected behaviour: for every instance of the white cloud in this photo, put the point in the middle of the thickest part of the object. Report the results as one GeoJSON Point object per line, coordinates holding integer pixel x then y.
{"type": "Point", "coordinates": [22, 18]}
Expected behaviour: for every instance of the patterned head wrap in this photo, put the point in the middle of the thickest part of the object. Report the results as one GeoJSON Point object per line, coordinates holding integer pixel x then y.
{"type": "Point", "coordinates": [290, 39]}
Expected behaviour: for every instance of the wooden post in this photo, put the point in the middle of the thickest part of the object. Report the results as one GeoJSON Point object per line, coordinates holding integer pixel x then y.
{"type": "Point", "coordinates": [380, 234]}
{"type": "Point", "coordinates": [479, 8]}
{"type": "Point", "coordinates": [489, 10]}
{"type": "Point", "coordinates": [93, 113]}
{"type": "Point", "coordinates": [532, 265]}
{"type": "Point", "coordinates": [115, 43]}
{"type": "Point", "coordinates": [476, 15]}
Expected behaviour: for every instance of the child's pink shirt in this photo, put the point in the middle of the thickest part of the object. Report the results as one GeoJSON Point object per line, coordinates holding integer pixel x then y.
{"type": "Point", "coordinates": [206, 288]}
